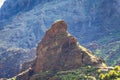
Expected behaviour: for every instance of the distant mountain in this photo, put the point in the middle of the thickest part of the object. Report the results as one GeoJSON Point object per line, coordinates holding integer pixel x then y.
{"type": "Point", "coordinates": [88, 20]}
{"type": "Point", "coordinates": [12, 7]}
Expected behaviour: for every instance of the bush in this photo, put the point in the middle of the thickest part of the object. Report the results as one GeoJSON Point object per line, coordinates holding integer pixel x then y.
{"type": "Point", "coordinates": [113, 74]}
{"type": "Point", "coordinates": [117, 68]}
{"type": "Point", "coordinates": [110, 75]}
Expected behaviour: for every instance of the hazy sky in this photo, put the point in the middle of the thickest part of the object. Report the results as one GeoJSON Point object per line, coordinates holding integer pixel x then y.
{"type": "Point", "coordinates": [1, 2]}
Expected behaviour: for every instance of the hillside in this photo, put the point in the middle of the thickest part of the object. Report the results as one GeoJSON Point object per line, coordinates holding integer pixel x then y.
{"type": "Point", "coordinates": [92, 20]}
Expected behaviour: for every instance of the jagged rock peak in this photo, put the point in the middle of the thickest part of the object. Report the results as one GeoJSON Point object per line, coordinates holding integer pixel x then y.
{"type": "Point", "coordinates": [57, 27]}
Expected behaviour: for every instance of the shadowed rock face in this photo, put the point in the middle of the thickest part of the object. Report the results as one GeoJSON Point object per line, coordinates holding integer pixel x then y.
{"type": "Point", "coordinates": [58, 50]}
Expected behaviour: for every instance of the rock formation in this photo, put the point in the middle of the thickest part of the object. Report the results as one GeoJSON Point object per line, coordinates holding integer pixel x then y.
{"type": "Point", "coordinates": [58, 50]}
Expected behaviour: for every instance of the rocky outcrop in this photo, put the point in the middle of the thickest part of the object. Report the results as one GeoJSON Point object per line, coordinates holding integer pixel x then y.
{"type": "Point", "coordinates": [58, 50]}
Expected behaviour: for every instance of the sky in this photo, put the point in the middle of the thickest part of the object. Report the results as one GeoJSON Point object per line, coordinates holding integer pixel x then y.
{"type": "Point", "coordinates": [1, 2]}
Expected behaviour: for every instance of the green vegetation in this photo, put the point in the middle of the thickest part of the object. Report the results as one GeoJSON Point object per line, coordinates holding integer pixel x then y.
{"type": "Point", "coordinates": [83, 73]}
{"type": "Point", "coordinates": [14, 78]}
{"type": "Point", "coordinates": [89, 73]}
{"type": "Point", "coordinates": [111, 75]}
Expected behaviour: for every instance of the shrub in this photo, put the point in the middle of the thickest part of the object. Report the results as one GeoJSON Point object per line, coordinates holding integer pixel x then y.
{"type": "Point", "coordinates": [110, 75]}
{"type": "Point", "coordinates": [117, 68]}
{"type": "Point", "coordinates": [113, 74]}
{"type": "Point", "coordinates": [101, 76]}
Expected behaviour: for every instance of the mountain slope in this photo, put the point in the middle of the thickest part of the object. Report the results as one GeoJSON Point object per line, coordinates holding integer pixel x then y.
{"type": "Point", "coordinates": [92, 20]}
{"type": "Point", "coordinates": [11, 60]}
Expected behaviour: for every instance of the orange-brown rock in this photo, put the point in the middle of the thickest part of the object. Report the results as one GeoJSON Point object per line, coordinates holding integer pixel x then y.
{"type": "Point", "coordinates": [56, 29]}
{"type": "Point", "coordinates": [58, 50]}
